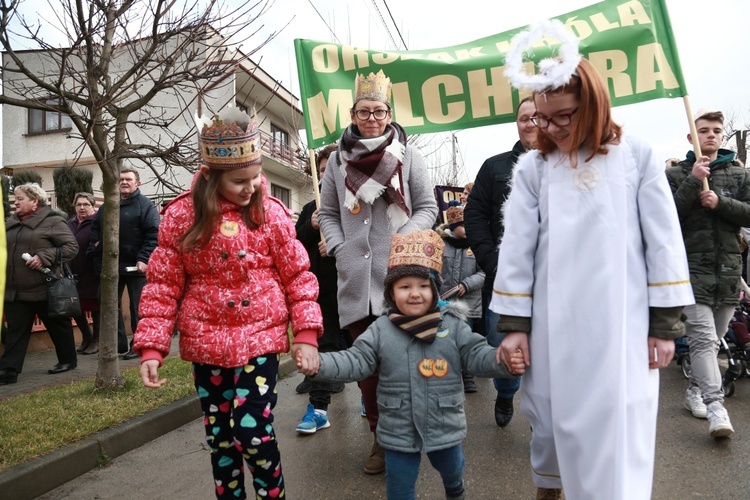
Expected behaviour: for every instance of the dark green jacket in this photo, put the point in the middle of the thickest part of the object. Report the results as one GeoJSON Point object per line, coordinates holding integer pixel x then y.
{"type": "Point", "coordinates": [712, 237]}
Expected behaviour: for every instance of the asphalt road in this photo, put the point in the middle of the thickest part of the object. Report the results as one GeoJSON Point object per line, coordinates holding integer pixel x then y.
{"type": "Point", "coordinates": [327, 465]}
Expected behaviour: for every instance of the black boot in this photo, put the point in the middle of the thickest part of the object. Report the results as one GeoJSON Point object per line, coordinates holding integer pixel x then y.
{"type": "Point", "coordinates": [503, 411]}
{"type": "Point", "coordinates": [304, 386]}
{"type": "Point", "coordinates": [8, 376]}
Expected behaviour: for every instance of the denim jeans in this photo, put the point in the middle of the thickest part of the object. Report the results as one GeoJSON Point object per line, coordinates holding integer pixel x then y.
{"type": "Point", "coordinates": [506, 388]}
{"type": "Point", "coordinates": [705, 325]}
{"type": "Point", "coordinates": [402, 469]}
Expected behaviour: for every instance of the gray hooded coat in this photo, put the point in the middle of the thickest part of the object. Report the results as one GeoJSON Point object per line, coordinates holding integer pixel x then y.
{"type": "Point", "coordinates": [417, 413]}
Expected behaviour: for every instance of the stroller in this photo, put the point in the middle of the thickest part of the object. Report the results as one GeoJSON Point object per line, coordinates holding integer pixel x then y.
{"type": "Point", "coordinates": [734, 345]}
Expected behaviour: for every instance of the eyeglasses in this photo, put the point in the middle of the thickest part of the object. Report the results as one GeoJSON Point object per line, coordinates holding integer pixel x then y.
{"type": "Point", "coordinates": [364, 114]}
{"type": "Point", "coordinates": [561, 120]}
{"type": "Point", "coordinates": [83, 204]}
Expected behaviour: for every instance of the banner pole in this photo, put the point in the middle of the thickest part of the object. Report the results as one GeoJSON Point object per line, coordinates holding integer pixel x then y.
{"type": "Point", "coordinates": [316, 189]}
{"type": "Point", "coordinates": [694, 135]}
{"type": "Point", "coordinates": [314, 172]}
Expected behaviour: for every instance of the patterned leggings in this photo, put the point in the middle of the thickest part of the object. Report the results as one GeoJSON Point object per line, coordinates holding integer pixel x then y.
{"type": "Point", "coordinates": [237, 404]}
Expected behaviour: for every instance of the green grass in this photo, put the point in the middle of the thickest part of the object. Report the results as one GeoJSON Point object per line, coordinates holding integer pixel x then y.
{"type": "Point", "coordinates": [37, 423]}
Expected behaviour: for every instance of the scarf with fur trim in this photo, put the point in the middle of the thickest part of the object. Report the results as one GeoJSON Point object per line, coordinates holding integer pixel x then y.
{"type": "Point", "coordinates": [371, 167]}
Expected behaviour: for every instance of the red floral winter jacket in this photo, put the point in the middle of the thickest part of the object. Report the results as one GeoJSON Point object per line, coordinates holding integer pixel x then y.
{"type": "Point", "coordinates": [233, 298]}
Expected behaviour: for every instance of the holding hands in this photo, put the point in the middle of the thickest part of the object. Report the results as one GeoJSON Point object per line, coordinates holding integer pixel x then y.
{"type": "Point", "coordinates": [514, 352]}
{"type": "Point", "coordinates": [150, 374]}
{"type": "Point", "coordinates": [307, 359]}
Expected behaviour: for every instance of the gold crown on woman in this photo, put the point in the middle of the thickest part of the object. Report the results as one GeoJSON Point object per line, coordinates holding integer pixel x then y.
{"type": "Point", "coordinates": [419, 248]}
{"type": "Point", "coordinates": [373, 87]}
{"type": "Point", "coordinates": [229, 139]}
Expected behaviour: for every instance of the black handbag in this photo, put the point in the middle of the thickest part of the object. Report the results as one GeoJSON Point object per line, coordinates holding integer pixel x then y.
{"type": "Point", "coordinates": [62, 294]}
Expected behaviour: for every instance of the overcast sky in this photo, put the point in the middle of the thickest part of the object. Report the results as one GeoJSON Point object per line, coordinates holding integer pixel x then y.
{"type": "Point", "coordinates": [710, 35]}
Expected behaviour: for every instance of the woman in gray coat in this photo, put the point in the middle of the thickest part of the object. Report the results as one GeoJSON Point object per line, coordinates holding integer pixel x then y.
{"type": "Point", "coordinates": [37, 230]}
{"type": "Point", "coordinates": [375, 185]}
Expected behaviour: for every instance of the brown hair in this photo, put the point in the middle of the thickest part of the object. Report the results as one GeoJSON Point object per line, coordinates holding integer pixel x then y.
{"type": "Point", "coordinates": [712, 116]}
{"type": "Point", "coordinates": [205, 196]}
{"type": "Point", "coordinates": [529, 98]}
{"type": "Point", "coordinates": [322, 154]}
{"type": "Point", "coordinates": [125, 170]}
{"type": "Point", "coordinates": [593, 126]}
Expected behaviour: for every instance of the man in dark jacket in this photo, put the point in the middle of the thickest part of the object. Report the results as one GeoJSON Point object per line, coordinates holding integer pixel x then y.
{"type": "Point", "coordinates": [711, 220]}
{"type": "Point", "coordinates": [483, 220]}
{"type": "Point", "coordinates": [139, 228]}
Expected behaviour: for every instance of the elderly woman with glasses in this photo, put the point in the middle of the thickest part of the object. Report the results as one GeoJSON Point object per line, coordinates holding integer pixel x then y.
{"type": "Point", "coordinates": [375, 185]}
{"type": "Point", "coordinates": [39, 231]}
{"type": "Point", "coordinates": [83, 267]}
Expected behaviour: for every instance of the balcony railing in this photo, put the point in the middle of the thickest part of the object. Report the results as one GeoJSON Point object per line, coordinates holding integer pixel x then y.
{"type": "Point", "coordinates": [281, 152]}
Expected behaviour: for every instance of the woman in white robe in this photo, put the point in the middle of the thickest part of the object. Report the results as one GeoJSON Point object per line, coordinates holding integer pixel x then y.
{"type": "Point", "coordinates": [591, 280]}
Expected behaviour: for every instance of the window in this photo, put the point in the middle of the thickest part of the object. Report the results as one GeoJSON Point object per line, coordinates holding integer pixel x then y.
{"type": "Point", "coordinates": [280, 137]}
{"type": "Point", "coordinates": [42, 122]}
{"type": "Point", "coordinates": [282, 193]}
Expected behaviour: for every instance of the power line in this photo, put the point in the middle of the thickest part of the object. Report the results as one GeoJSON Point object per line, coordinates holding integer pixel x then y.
{"type": "Point", "coordinates": [324, 22]}
{"type": "Point", "coordinates": [382, 20]}
{"type": "Point", "coordinates": [395, 25]}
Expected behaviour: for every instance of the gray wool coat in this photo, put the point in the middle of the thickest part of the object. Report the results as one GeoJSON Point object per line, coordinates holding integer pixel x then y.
{"type": "Point", "coordinates": [417, 413]}
{"type": "Point", "coordinates": [361, 242]}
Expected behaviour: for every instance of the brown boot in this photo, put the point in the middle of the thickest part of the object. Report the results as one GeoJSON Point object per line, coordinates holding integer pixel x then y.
{"type": "Point", "coordinates": [549, 494]}
{"type": "Point", "coordinates": [92, 348]}
{"type": "Point", "coordinates": [375, 463]}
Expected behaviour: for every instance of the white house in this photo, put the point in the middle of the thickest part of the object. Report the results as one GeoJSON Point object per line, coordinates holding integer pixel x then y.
{"type": "Point", "coordinates": [42, 140]}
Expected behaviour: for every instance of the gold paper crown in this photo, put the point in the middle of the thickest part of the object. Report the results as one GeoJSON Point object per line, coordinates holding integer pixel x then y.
{"type": "Point", "coordinates": [455, 215]}
{"type": "Point", "coordinates": [420, 248]}
{"type": "Point", "coordinates": [374, 87]}
{"type": "Point", "coordinates": [229, 139]}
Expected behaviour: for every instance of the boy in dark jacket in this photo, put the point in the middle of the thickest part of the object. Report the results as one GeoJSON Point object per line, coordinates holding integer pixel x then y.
{"type": "Point", "coordinates": [711, 220]}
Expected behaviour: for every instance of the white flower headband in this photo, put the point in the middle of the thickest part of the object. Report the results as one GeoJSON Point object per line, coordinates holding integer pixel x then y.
{"type": "Point", "coordinates": [553, 72]}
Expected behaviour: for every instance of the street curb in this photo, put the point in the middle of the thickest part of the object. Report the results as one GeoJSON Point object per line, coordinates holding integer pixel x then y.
{"type": "Point", "coordinates": [42, 474]}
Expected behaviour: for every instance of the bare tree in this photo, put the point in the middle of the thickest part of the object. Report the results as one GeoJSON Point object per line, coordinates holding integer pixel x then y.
{"type": "Point", "coordinates": [122, 58]}
{"type": "Point", "coordinates": [735, 130]}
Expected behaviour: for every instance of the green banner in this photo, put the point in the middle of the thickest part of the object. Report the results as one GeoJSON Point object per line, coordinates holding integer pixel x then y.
{"type": "Point", "coordinates": [629, 42]}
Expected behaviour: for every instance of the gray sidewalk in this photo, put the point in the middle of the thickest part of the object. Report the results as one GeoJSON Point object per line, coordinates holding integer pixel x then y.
{"type": "Point", "coordinates": [169, 458]}
{"type": "Point", "coordinates": [36, 364]}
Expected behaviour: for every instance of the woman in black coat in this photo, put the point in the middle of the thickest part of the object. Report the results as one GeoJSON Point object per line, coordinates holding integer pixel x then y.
{"type": "Point", "coordinates": [82, 267]}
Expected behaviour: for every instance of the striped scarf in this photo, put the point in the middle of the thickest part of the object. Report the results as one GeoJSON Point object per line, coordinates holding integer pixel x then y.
{"type": "Point", "coordinates": [421, 327]}
{"type": "Point", "coordinates": [371, 167]}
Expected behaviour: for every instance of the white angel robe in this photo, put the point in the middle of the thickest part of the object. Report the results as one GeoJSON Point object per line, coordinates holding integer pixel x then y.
{"type": "Point", "coordinates": [586, 251]}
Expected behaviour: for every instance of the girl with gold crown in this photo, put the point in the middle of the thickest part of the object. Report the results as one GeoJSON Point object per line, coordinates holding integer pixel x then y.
{"type": "Point", "coordinates": [376, 185]}
{"type": "Point", "coordinates": [592, 278]}
{"type": "Point", "coordinates": [230, 275]}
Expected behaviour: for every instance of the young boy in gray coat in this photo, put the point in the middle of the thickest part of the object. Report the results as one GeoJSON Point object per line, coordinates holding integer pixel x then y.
{"type": "Point", "coordinates": [421, 350]}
